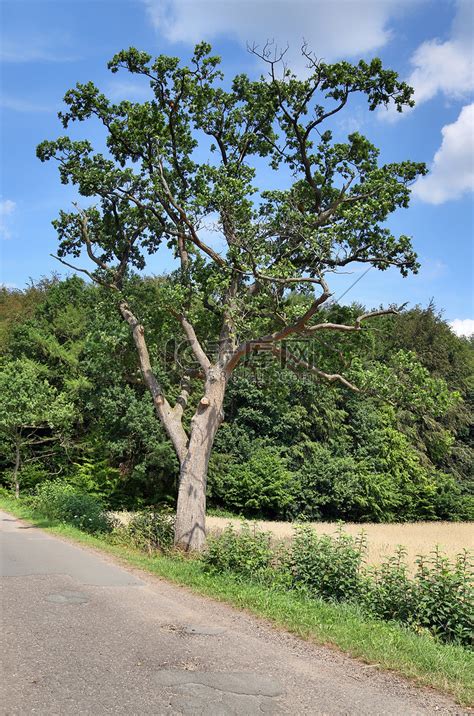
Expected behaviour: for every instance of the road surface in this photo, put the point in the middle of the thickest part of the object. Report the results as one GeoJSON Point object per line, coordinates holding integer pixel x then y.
{"type": "Point", "coordinates": [83, 635]}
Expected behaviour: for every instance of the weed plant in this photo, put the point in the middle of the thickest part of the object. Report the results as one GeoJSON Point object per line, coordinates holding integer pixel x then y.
{"type": "Point", "coordinates": [60, 501]}
{"type": "Point", "coordinates": [439, 599]}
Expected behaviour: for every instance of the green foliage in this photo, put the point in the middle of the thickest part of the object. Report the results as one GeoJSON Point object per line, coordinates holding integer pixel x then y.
{"type": "Point", "coordinates": [388, 591]}
{"type": "Point", "coordinates": [152, 155]}
{"type": "Point", "coordinates": [326, 567]}
{"type": "Point", "coordinates": [27, 400]}
{"type": "Point", "coordinates": [261, 485]}
{"type": "Point", "coordinates": [34, 416]}
{"type": "Point", "coordinates": [343, 487]}
{"type": "Point", "coordinates": [149, 530]}
{"type": "Point", "coordinates": [95, 478]}
{"type": "Point", "coordinates": [247, 552]}
{"type": "Point", "coordinates": [60, 501]}
{"type": "Point", "coordinates": [444, 597]}
{"type": "Point", "coordinates": [406, 382]}
{"type": "Point", "coordinates": [439, 599]}
{"type": "Point", "coordinates": [290, 446]}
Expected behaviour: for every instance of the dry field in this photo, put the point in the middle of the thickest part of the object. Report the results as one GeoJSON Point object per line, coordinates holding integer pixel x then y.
{"type": "Point", "coordinates": [383, 539]}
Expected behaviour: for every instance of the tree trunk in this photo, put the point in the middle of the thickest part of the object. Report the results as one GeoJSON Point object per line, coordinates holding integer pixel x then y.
{"type": "Point", "coordinates": [190, 527]}
{"type": "Point", "coordinates": [16, 469]}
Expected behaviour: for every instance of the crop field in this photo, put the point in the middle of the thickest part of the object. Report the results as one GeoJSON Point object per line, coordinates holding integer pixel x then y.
{"type": "Point", "coordinates": [418, 538]}
{"type": "Point", "coordinates": [383, 539]}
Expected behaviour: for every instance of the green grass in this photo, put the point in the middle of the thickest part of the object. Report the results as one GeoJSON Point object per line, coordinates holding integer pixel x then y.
{"type": "Point", "coordinates": [448, 668]}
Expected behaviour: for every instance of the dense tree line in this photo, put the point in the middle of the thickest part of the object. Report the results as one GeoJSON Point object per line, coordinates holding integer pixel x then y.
{"type": "Point", "coordinates": [73, 404]}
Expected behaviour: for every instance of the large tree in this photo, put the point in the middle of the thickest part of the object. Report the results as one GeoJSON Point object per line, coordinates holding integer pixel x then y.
{"type": "Point", "coordinates": [256, 162]}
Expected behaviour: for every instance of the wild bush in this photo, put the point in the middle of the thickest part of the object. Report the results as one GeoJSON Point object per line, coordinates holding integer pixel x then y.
{"type": "Point", "coordinates": [150, 530]}
{"type": "Point", "coordinates": [58, 500]}
{"type": "Point", "coordinates": [247, 552]}
{"type": "Point", "coordinates": [439, 598]}
{"type": "Point", "coordinates": [388, 591]}
{"type": "Point", "coordinates": [444, 597]}
{"type": "Point", "coordinates": [261, 485]}
{"type": "Point", "coordinates": [95, 477]}
{"type": "Point", "coordinates": [326, 566]}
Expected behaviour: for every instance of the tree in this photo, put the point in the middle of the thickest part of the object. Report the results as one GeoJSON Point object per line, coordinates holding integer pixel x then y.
{"type": "Point", "coordinates": [32, 413]}
{"type": "Point", "coordinates": [196, 154]}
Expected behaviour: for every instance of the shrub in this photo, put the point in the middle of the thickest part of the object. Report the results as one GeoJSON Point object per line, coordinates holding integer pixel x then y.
{"type": "Point", "coordinates": [335, 486]}
{"type": "Point", "coordinates": [439, 598]}
{"type": "Point", "coordinates": [389, 592]}
{"type": "Point", "coordinates": [444, 597]}
{"type": "Point", "coordinates": [60, 501]}
{"type": "Point", "coordinates": [95, 477]}
{"type": "Point", "coordinates": [247, 552]}
{"type": "Point", "coordinates": [327, 567]}
{"type": "Point", "coordinates": [151, 530]}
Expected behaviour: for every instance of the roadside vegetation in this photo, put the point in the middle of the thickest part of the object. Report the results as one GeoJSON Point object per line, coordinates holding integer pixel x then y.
{"type": "Point", "coordinates": [362, 612]}
{"type": "Point", "coordinates": [439, 598]}
{"type": "Point", "coordinates": [383, 538]}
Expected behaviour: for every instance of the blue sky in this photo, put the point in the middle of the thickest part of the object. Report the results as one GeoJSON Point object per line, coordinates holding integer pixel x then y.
{"type": "Point", "coordinates": [49, 46]}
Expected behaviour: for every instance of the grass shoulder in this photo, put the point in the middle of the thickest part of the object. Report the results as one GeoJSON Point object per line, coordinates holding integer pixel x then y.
{"type": "Point", "coordinates": [428, 662]}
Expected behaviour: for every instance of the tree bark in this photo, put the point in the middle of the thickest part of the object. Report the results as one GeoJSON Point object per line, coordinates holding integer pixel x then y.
{"type": "Point", "coordinates": [190, 526]}
{"type": "Point", "coordinates": [193, 452]}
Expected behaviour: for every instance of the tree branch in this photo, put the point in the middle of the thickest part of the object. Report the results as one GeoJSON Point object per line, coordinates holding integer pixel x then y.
{"type": "Point", "coordinates": [93, 278]}
{"type": "Point", "coordinates": [357, 325]}
{"type": "Point", "coordinates": [184, 218]}
{"type": "Point", "coordinates": [193, 341]}
{"type": "Point", "coordinates": [330, 377]}
{"type": "Point", "coordinates": [171, 422]}
{"type": "Point", "coordinates": [297, 327]}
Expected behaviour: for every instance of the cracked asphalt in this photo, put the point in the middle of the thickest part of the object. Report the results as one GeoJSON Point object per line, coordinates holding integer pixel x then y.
{"type": "Point", "coordinates": [83, 635]}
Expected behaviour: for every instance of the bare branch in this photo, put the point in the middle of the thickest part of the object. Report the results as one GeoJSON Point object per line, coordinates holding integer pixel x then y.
{"type": "Point", "coordinates": [357, 325]}
{"type": "Point", "coordinates": [298, 326]}
{"type": "Point", "coordinates": [93, 278]}
{"type": "Point", "coordinates": [193, 341]}
{"type": "Point", "coordinates": [297, 362]}
{"type": "Point", "coordinates": [169, 419]}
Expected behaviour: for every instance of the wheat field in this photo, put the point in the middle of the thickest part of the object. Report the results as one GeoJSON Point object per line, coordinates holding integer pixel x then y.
{"type": "Point", "coordinates": [417, 537]}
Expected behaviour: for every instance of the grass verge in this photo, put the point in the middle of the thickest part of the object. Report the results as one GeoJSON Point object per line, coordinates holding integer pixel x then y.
{"type": "Point", "coordinates": [448, 668]}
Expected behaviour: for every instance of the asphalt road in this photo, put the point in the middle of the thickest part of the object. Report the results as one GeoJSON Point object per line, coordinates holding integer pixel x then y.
{"type": "Point", "coordinates": [82, 635]}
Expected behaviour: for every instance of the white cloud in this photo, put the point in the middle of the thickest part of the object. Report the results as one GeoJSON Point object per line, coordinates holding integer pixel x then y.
{"type": "Point", "coordinates": [463, 326]}
{"type": "Point", "coordinates": [452, 171]}
{"type": "Point", "coordinates": [16, 104]}
{"type": "Point", "coordinates": [332, 29]}
{"type": "Point", "coordinates": [119, 90]}
{"type": "Point", "coordinates": [34, 48]}
{"type": "Point", "coordinates": [445, 68]}
{"type": "Point", "coordinates": [7, 207]}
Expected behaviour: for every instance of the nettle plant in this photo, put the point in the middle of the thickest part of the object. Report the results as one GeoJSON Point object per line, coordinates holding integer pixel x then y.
{"type": "Point", "coordinates": [204, 152]}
